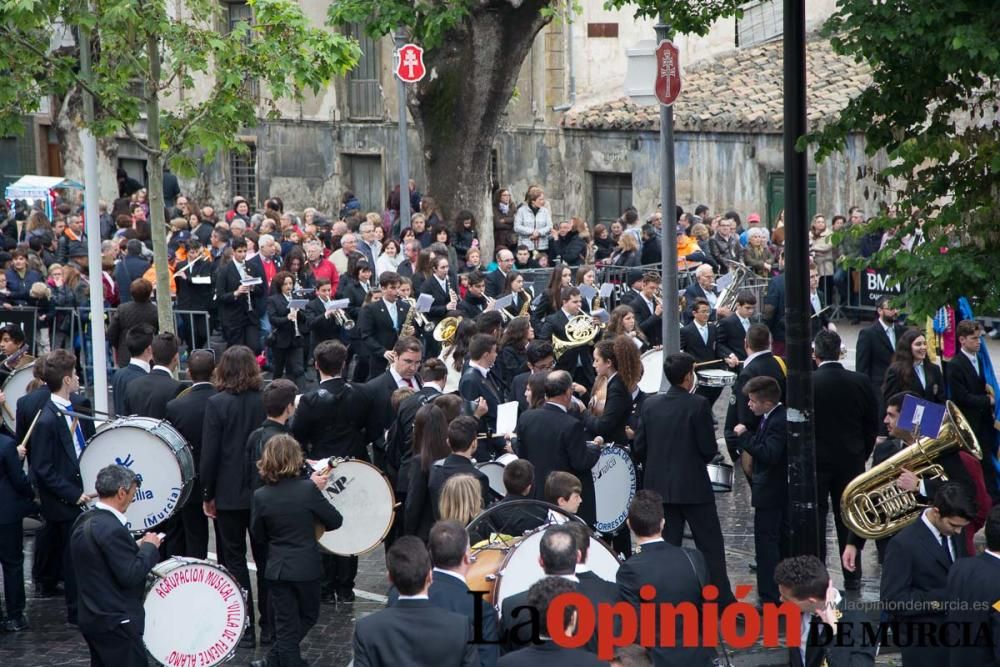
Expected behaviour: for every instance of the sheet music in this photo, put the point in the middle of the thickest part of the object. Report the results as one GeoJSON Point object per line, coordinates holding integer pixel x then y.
{"type": "Point", "coordinates": [424, 303]}
{"type": "Point", "coordinates": [606, 289]}
{"type": "Point", "coordinates": [298, 304]}
{"type": "Point", "coordinates": [587, 292]}
{"type": "Point", "coordinates": [503, 302]}
{"type": "Point", "coordinates": [337, 304]}
{"type": "Point", "coordinates": [507, 417]}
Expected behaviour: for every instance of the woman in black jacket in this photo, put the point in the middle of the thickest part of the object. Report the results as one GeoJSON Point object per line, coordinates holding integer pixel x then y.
{"type": "Point", "coordinates": [513, 359]}
{"type": "Point", "coordinates": [430, 444]}
{"type": "Point", "coordinates": [618, 370]}
{"type": "Point", "coordinates": [288, 330]}
{"type": "Point", "coordinates": [354, 287]}
{"type": "Point", "coordinates": [912, 371]}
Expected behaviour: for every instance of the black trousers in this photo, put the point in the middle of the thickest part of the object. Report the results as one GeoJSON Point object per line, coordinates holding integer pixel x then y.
{"type": "Point", "coordinates": [711, 393]}
{"type": "Point", "coordinates": [295, 609]}
{"type": "Point", "coordinates": [770, 541]}
{"type": "Point", "coordinates": [121, 647]}
{"type": "Point", "coordinates": [243, 334]}
{"type": "Point", "coordinates": [703, 519]}
{"type": "Point", "coordinates": [12, 561]}
{"type": "Point", "coordinates": [55, 559]}
{"type": "Point", "coordinates": [831, 480]}
{"type": "Point", "coordinates": [195, 526]}
{"type": "Point", "coordinates": [360, 354]}
{"type": "Point", "coordinates": [232, 527]}
{"type": "Point", "coordinates": [339, 573]}
{"type": "Point", "coordinates": [288, 362]}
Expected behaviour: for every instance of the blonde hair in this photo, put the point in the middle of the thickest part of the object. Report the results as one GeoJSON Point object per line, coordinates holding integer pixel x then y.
{"type": "Point", "coordinates": [282, 457]}
{"type": "Point", "coordinates": [40, 291]}
{"type": "Point", "coordinates": [461, 499]}
{"type": "Point", "coordinates": [627, 242]}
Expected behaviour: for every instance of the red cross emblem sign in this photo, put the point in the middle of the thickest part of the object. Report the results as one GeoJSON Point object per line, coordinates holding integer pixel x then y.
{"type": "Point", "coordinates": [668, 73]}
{"type": "Point", "coordinates": [410, 63]}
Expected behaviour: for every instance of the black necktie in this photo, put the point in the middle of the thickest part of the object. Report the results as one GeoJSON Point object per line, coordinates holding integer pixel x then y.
{"type": "Point", "coordinates": [947, 551]}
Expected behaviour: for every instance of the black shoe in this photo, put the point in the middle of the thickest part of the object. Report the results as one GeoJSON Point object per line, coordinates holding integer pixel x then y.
{"type": "Point", "coordinates": [16, 624]}
{"type": "Point", "coordinates": [346, 596]}
{"type": "Point", "coordinates": [249, 641]}
{"type": "Point", "coordinates": [328, 598]}
{"type": "Point", "coordinates": [50, 591]}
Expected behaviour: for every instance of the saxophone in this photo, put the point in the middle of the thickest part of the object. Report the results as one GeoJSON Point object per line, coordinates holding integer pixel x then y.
{"type": "Point", "coordinates": [420, 318]}
{"type": "Point", "coordinates": [408, 320]}
{"type": "Point", "coordinates": [526, 295]}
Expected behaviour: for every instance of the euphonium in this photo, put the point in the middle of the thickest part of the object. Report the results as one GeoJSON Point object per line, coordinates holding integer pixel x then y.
{"type": "Point", "coordinates": [727, 298]}
{"type": "Point", "coordinates": [580, 330]}
{"type": "Point", "coordinates": [873, 506]}
{"type": "Point", "coordinates": [444, 332]}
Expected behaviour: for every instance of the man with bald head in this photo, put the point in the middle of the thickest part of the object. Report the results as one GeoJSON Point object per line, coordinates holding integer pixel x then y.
{"type": "Point", "coordinates": [706, 289]}
{"type": "Point", "coordinates": [496, 279]}
{"type": "Point", "coordinates": [348, 246]}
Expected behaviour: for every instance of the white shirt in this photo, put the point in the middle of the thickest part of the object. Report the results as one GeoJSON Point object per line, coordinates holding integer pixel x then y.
{"type": "Point", "coordinates": [139, 363]}
{"type": "Point", "coordinates": [482, 371]}
{"type": "Point", "coordinates": [442, 283]}
{"type": "Point", "coordinates": [937, 534]}
{"type": "Point", "coordinates": [241, 269]}
{"type": "Point", "coordinates": [703, 330]}
{"type": "Point", "coordinates": [814, 299]}
{"type": "Point", "coordinates": [745, 321]}
{"type": "Point", "coordinates": [890, 331]}
{"type": "Point", "coordinates": [561, 407]}
{"type": "Point", "coordinates": [754, 355]}
{"type": "Point", "coordinates": [118, 515]}
{"type": "Point", "coordinates": [413, 597]}
{"type": "Point", "coordinates": [973, 359]}
{"type": "Point", "coordinates": [710, 297]}
{"type": "Point", "coordinates": [64, 406]}
{"type": "Point", "coordinates": [807, 621]}
{"type": "Point", "coordinates": [390, 306]}
{"type": "Point", "coordinates": [652, 541]}
{"type": "Point", "coordinates": [918, 368]}
{"type": "Point", "coordinates": [450, 573]}
{"type": "Point", "coordinates": [164, 369]}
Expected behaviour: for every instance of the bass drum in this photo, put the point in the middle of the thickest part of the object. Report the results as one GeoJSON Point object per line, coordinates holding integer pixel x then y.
{"type": "Point", "coordinates": [364, 497]}
{"type": "Point", "coordinates": [652, 371]}
{"type": "Point", "coordinates": [196, 613]}
{"type": "Point", "coordinates": [494, 472]}
{"type": "Point", "coordinates": [159, 455]}
{"type": "Point", "coordinates": [14, 387]}
{"type": "Point", "coordinates": [614, 488]}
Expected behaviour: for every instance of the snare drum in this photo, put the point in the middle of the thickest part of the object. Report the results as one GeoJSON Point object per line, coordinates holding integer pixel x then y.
{"type": "Point", "coordinates": [715, 377]}
{"type": "Point", "coordinates": [196, 613]}
{"type": "Point", "coordinates": [652, 371]}
{"type": "Point", "coordinates": [721, 476]}
{"type": "Point", "coordinates": [614, 488]}
{"type": "Point", "coordinates": [159, 455]}
{"type": "Point", "coordinates": [364, 497]}
{"type": "Point", "coordinates": [14, 387]}
{"type": "Point", "coordinates": [494, 471]}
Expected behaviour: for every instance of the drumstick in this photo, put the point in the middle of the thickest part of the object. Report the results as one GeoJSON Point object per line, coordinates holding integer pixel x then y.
{"type": "Point", "coordinates": [27, 436]}
{"type": "Point", "coordinates": [709, 363]}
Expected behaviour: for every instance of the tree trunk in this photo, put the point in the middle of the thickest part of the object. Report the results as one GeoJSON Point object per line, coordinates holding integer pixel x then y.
{"type": "Point", "coordinates": [157, 222]}
{"type": "Point", "coordinates": [458, 106]}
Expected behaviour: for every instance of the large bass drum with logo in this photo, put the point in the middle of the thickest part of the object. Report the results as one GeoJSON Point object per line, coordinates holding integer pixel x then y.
{"type": "Point", "coordinates": [614, 488]}
{"type": "Point", "coordinates": [196, 613]}
{"type": "Point", "coordinates": [364, 497]}
{"type": "Point", "coordinates": [158, 454]}
{"type": "Point", "coordinates": [14, 387]}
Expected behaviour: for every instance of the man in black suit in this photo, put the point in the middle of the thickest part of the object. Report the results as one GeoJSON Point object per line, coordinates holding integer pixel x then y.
{"type": "Point", "coordinates": [399, 438]}
{"type": "Point", "coordinates": [402, 372]}
{"type": "Point", "coordinates": [731, 331]}
{"type": "Point", "coordinates": [381, 323]}
{"type": "Point", "coordinates": [704, 288]}
{"type": "Point", "coordinates": [186, 413]}
{"type": "Point", "coordinates": [507, 519]}
{"type": "Point", "coordinates": [647, 308]}
{"type": "Point", "coordinates": [700, 340]}
{"type": "Point", "coordinates": [971, 395]}
{"type": "Point", "coordinates": [17, 500]}
{"type": "Point", "coordinates": [976, 583]}
{"type": "Point", "coordinates": [805, 583]}
{"type": "Point", "coordinates": [676, 440]}
{"type": "Point", "coordinates": [877, 344]}
{"type": "Point", "coordinates": [111, 568]}
{"type": "Point", "coordinates": [413, 631]}
{"type": "Point", "coordinates": [450, 556]}
{"type": "Point", "coordinates": [678, 576]}
{"type": "Point", "coordinates": [148, 395]}
{"type": "Point", "coordinates": [497, 279]}
{"type": "Point", "coordinates": [552, 439]}
{"type": "Point", "coordinates": [444, 291]}
{"type": "Point", "coordinates": [321, 322]}
{"type": "Point", "coordinates": [578, 360]}
{"type": "Point", "coordinates": [915, 572]}
{"type": "Point", "coordinates": [241, 305]}
{"type": "Point", "coordinates": [55, 446]}
{"type": "Point", "coordinates": [139, 341]}
{"type": "Point", "coordinates": [541, 596]}
{"type": "Point", "coordinates": [769, 482]}
{"type": "Point", "coordinates": [759, 361]}
{"type": "Point", "coordinates": [284, 515]}
{"type": "Point", "coordinates": [479, 381]}
{"type": "Point", "coordinates": [540, 360]}
{"type": "Point", "coordinates": [475, 302]}
{"type": "Point", "coordinates": [846, 423]}
{"type": "Point", "coordinates": [462, 441]}
{"type": "Point", "coordinates": [562, 553]}
{"type": "Point", "coordinates": [330, 421]}
{"type": "Point", "coordinates": [195, 293]}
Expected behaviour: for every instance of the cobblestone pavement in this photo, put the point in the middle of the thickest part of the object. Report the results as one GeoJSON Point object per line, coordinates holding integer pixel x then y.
{"type": "Point", "coordinates": [50, 642]}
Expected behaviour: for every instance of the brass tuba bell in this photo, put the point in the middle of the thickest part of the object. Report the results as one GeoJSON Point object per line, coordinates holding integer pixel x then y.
{"type": "Point", "coordinates": [873, 506]}
{"type": "Point", "coordinates": [580, 330]}
{"type": "Point", "coordinates": [444, 332]}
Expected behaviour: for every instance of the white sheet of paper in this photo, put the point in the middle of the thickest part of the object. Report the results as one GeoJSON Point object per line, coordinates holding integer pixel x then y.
{"type": "Point", "coordinates": [601, 314]}
{"type": "Point", "coordinates": [298, 303]}
{"type": "Point", "coordinates": [424, 303]}
{"type": "Point", "coordinates": [587, 292]}
{"type": "Point", "coordinates": [252, 280]}
{"type": "Point", "coordinates": [637, 341]}
{"type": "Point", "coordinates": [201, 280]}
{"type": "Point", "coordinates": [503, 302]}
{"type": "Point", "coordinates": [606, 290]}
{"type": "Point", "coordinates": [506, 418]}
{"type": "Point", "coordinates": [337, 304]}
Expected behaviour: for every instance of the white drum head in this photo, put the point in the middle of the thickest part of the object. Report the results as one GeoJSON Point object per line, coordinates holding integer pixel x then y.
{"type": "Point", "coordinates": [521, 569]}
{"type": "Point", "coordinates": [364, 498]}
{"type": "Point", "coordinates": [652, 371]}
{"type": "Point", "coordinates": [614, 488]}
{"type": "Point", "coordinates": [14, 388]}
{"type": "Point", "coordinates": [153, 460]}
{"type": "Point", "coordinates": [494, 472]}
{"type": "Point", "coordinates": [195, 613]}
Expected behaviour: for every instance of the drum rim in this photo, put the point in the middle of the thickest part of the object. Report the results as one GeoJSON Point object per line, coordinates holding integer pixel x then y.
{"type": "Point", "coordinates": [623, 454]}
{"type": "Point", "coordinates": [11, 419]}
{"type": "Point", "coordinates": [392, 515]}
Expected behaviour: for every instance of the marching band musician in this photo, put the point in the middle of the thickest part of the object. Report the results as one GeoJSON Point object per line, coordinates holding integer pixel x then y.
{"type": "Point", "coordinates": [498, 279]}
{"type": "Point", "coordinates": [462, 441]}
{"type": "Point", "coordinates": [354, 286]}
{"type": "Point", "coordinates": [575, 359]}
{"type": "Point", "coordinates": [521, 303]}
{"type": "Point", "coordinates": [139, 342]}
{"type": "Point", "coordinates": [705, 288]}
{"type": "Point", "coordinates": [480, 382]}
{"type": "Point", "coordinates": [475, 301]}
{"type": "Point", "coordinates": [321, 322]}
{"type": "Point", "coordinates": [732, 330]}
{"type": "Point", "coordinates": [402, 372]}
{"type": "Point", "coordinates": [623, 323]}
{"type": "Point", "coordinates": [647, 307]}
{"type": "Point", "coordinates": [14, 350]}
{"type": "Point", "coordinates": [288, 329]}
{"type": "Point", "coordinates": [330, 422]}
{"type": "Point", "coordinates": [194, 277]}
{"type": "Point", "coordinates": [618, 372]}
{"type": "Point", "coordinates": [547, 303]}
{"type": "Point", "coordinates": [699, 339]}
{"type": "Point", "coordinates": [148, 395]}
{"type": "Point", "coordinates": [381, 323]}
{"type": "Point", "coordinates": [912, 371]}
{"type": "Point", "coordinates": [442, 289]}
{"type": "Point", "coordinates": [514, 342]}
{"type": "Point", "coordinates": [540, 360]}
{"type": "Point", "coordinates": [240, 306]}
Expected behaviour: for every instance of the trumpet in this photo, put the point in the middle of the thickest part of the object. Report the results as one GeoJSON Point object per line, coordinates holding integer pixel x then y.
{"type": "Point", "coordinates": [419, 317]}
{"type": "Point", "coordinates": [343, 319]}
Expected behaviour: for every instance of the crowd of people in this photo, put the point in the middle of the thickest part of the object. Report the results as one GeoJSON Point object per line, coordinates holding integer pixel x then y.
{"type": "Point", "coordinates": [396, 345]}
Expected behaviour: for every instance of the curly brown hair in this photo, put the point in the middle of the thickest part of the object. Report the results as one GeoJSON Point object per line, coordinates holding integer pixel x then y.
{"type": "Point", "coordinates": [281, 458]}
{"type": "Point", "coordinates": [237, 371]}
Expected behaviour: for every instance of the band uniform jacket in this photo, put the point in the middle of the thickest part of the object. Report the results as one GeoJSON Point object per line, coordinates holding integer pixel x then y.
{"type": "Point", "coordinates": [229, 421]}
{"type": "Point", "coordinates": [192, 295]}
{"type": "Point", "coordinates": [282, 334]}
{"type": "Point", "coordinates": [695, 345]}
{"type": "Point", "coordinates": [284, 516]}
{"type": "Point", "coordinates": [186, 413]}
{"type": "Point", "coordinates": [474, 385]}
{"type": "Point", "coordinates": [441, 297]}
{"type": "Point", "coordinates": [968, 392]}
{"type": "Point", "coordinates": [319, 326]}
{"type": "Point", "coordinates": [55, 466]}
{"type": "Point", "coordinates": [471, 307]}
{"type": "Point", "coordinates": [769, 449]}
{"type": "Point", "coordinates": [550, 654]}
{"type": "Point", "coordinates": [119, 386]}
{"type": "Point", "coordinates": [414, 632]}
{"type": "Point", "coordinates": [852, 651]}
{"type": "Point", "coordinates": [518, 386]}
{"type": "Point", "coordinates": [875, 350]}
{"type": "Point", "coordinates": [933, 391]}
{"type": "Point", "coordinates": [645, 319]}
{"type": "Point", "coordinates": [355, 293]}
{"type": "Point", "coordinates": [676, 574]}
{"type": "Point", "coordinates": [552, 440]}
{"type": "Point", "coordinates": [611, 423]}
{"type": "Point", "coordinates": [330, 420]}
{"type": "Point", "coordinates": [976, 580]}
{"type": "Point", "coordinates": [399, 443]}
{"type": "Point", "coordinates": [730, 337]}
{"type": "Point", "coordinates": [696, 291]}
{"type": "Point", "coordinates": [379, 392]}
{"type": "Point", "coordinates": [676, 439]}
{"type": "Point", "coordinates": [739, 411]}
{"type": "Point", "coordinates": [846, 415]}
{"type": "Point", "coordinates": [111, 570]}
{"type": "Point", "coordinates": [148, 395]}
{"type": "Point", "coordinates": [454, 464]}
{"type": "Point", "coordinates": [32, 403]}
{"type": "Point", "coordinates": [236, 310]}
{"type": "Point", "coordinates": [17, 498]}
{"type": "Point", "coordinates": [495, 281]}
{"type": "Point", "coordinates": [578, 360]}
{"type": "Point", "coordinates": [377, 330]}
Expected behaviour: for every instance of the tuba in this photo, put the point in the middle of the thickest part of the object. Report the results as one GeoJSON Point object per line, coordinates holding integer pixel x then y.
{"type": "Point", "coordinates": [873, 506]}
{"type": "Point", "coordinates": [727, 298]}
{"type": "Point", "coordinates": [444, 332]}
{"type": "Point", "coordinates": [580, 330]}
